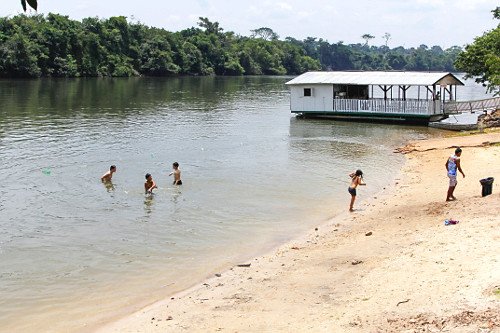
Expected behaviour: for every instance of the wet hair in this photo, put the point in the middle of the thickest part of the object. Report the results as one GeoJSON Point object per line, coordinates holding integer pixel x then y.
{"type": "Point", "coordinates": [112, 167]}
{"type": "Point", "coordinates": [458, 150]}
{"type": "Point", "coordinates": [175, 164]}
{"type": "Point", "coordinates": [148, 175]}
{"type": "Point", "coordinates": [359, 173]}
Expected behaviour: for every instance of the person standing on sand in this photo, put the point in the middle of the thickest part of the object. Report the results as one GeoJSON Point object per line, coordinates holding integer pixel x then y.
{"type": "Point", "coordinates": [452, 164]}
{"type": "Point", "coordinates": [356, 179]}
{"type": "Point", "coordinates": [108, 175]}
{"type": "Point", "coordinates": [177, 174]}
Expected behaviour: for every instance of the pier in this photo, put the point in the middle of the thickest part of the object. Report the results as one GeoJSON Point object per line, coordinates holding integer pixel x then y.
{"type": "Point", "coordinates": [373, 95]}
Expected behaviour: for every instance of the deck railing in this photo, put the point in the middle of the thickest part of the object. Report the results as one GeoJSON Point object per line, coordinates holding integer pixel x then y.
{"type": "Point", "coordinates": [380, 105]}
{"type": "Point", "coordinates": [489, 104]}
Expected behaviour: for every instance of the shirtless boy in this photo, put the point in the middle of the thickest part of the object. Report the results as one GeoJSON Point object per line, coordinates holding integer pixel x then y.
{"type": "Point", "coordinates": [177, 174]}
{"type": "Point", "coordinates": [356, 179]}
{"type": "Point", "coordinates": [108, 175]}
{"type": "Point", "coordinates": [149, 184]}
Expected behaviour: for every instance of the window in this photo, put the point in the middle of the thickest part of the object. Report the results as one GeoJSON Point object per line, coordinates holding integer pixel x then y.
{"type": "Point", "coordinates": [307, 92]}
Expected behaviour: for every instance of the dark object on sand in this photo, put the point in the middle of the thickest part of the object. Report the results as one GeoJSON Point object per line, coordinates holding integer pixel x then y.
{"type": "Point", "coordinates": [450, 221]}
{"type": "Point", "coordinates": [407, 300]}
{"type": "Point", "coordinates": [243, 265]}
{"type": "Point", "coordinates": [487, 184]}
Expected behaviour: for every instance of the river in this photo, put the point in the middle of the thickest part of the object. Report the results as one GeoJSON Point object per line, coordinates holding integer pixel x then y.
{"type": "Point", "coordinates": [75, 253]}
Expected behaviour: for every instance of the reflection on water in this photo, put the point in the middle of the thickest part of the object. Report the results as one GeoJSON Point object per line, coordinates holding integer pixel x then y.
{"type": "Point", "coordinates": [176, 195]}
{"type": "Point", "coordinates": [109, 186]}
{"type": "Point", "coordinates": [254, 176]}
{"type": "Point", "coordinates": [148, 203]}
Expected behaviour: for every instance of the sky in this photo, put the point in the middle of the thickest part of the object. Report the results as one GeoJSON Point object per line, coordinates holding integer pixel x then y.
{"type": "Point", "coordinates": [410, 23]}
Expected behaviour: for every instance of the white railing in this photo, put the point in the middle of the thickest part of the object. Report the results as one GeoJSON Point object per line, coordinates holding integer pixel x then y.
{"type": "Point", "coordinates": [489, 104]}
{"type": "Point", "coordinates": [380, 105]}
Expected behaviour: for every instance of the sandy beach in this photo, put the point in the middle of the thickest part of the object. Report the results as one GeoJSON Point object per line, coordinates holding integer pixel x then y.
{"type": "Point", "coordinates": [390, 266]}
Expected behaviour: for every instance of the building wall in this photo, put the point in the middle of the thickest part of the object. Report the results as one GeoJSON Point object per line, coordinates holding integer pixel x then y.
{"type": "Point", "coordinates": [321, 99]}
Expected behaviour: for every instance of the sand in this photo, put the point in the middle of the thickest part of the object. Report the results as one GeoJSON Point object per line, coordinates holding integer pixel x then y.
{"type": "Point", "coordinates": [390, 266]}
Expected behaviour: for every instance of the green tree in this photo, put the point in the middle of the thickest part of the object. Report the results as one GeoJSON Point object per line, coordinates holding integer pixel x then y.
{"type": "Point", "coordinates": [17, 57]}
{"type": "Point", "coordinates": [210, 27]}
{"type": "Point", "coordinates": [367, 38]}
{"type": "Point", "coordinates": [264, 33]}
{"type": "Point", "coordinates": [156, 55]}
{"type": "Point", "coordinates": [481, 59]}
{"type": "Point", "coordinates": [496, 13]}
{"type": "Point", "coordinates": [386, 37]}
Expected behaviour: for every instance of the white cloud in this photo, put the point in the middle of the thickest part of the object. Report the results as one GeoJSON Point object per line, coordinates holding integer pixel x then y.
{"type": "Point", "coordinates": [431, 3]}
{"type": "Point", "coordinates": [284, 6]}
{"type": "Point", "coordinates": [82, 5]}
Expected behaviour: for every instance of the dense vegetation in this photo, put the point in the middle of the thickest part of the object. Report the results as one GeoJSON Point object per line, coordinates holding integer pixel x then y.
{"type": "Point", "coordinates": [54, 45]}
{"type": "Point", "coordinates": [481, 59]}
{"type": "Point", "coordinates": [339, 56]}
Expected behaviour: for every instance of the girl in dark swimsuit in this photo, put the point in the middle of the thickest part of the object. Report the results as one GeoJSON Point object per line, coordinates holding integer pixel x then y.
{"type": "Point", "coordinates": [356, 179]}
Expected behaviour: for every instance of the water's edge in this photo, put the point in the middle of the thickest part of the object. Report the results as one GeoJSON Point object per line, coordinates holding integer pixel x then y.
{"type": "Point", "coordinates": [323, 227]}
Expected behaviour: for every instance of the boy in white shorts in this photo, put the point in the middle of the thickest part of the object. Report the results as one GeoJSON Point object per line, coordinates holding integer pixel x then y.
{"type": "Point", "coordinates": [452, 165]}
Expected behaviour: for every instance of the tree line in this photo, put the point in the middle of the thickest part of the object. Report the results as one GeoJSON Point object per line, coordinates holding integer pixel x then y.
{"type": "Point", "coordinates": [338, 56]}
{"type": "Point", "coordinates": [56, 46]}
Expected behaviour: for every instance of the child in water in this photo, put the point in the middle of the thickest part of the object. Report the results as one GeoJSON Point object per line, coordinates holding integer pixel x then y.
{"type": "Point", "coordinates": [149, 184]}
{"type": "Point", "coordinates": [356, 179]}
{"type": "Point", "coordinates": [108, 175]}
{"type": "Point", "coordinates": [177, 174]}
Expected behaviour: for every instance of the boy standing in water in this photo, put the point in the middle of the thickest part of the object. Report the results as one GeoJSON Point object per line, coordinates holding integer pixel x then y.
{"type": "Point", "coordinates": [177, 174]}
{"type": "Point", "coordinates": [149, 184]}
{"type": "Point", "coordinates": [452, 164]}
{"type": "Point", "coordinates": [356, 179]}
{"type": "Point", "coordinates": [108, 175]}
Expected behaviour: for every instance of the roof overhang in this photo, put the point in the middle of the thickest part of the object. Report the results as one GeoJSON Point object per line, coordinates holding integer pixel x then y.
{"type": "Point", "coordinates": [383, 78]}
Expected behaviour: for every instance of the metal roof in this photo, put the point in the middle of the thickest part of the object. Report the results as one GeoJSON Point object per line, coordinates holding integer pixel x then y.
{"type": "Point", "coordinates": [377, 78]}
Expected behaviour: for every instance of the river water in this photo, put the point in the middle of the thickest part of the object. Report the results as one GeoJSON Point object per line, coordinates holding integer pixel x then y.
{"type": "Point", "coordinates": [75, 253]}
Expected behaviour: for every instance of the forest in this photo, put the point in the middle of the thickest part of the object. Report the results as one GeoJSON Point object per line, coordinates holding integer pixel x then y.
{"type": "Point", "coordinates": [55, 46]}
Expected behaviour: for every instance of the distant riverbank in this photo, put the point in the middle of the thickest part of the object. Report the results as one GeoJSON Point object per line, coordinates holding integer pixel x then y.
{"type": "Point", "coordinates": [57, 46]}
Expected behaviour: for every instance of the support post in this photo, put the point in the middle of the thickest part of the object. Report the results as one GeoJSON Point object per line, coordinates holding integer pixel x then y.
{"type": "Point", "coordinates": [434, 99]}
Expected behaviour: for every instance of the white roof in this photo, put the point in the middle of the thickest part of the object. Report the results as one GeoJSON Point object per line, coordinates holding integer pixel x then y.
{"type": "Point", "coordinates": [377, 78]}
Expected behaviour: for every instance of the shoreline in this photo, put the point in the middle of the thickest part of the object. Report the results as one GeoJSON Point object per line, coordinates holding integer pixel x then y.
{"type": "Point", "coordinates": [340, 271]}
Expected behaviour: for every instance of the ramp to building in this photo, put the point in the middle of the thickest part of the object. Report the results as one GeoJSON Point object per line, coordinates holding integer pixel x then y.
{"type": "Point", "coordinates": [483, 105]}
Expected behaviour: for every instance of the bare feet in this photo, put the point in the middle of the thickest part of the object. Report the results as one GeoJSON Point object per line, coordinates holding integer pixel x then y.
{"type": "Point", "coordinates": [351, 210]}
